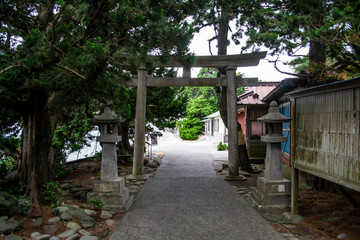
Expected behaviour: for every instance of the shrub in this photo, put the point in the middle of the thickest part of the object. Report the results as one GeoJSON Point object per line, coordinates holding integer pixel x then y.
{"type": "Point", "coordinates": [96, 203]}
{"type": "Point", "coordinates": [23, 205]}
{"type": "Point", "coordinates": [222, 147]}
{"type": "Point", "coordinates": [7, 165]}
{"type": "Point", "coordinates": [51, 194]}
{"type": "Point", "coordinates": [191, 128]}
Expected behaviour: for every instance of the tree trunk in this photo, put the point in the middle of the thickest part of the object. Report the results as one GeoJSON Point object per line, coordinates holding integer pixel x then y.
{"type": "Point", "coordinates": [124, 133]}
{"type": "Point", "coordinates": [317, 49]}
{"type": "Point", "coordinates": [222, 50]}
{"type": "Point", "coordinates": [36, 143]}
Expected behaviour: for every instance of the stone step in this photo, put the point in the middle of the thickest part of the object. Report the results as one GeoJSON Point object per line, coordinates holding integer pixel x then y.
{"type": "Point", "coordinates": [270, 198]}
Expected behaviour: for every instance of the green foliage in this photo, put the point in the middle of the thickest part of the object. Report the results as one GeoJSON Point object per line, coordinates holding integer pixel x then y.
{"type": "Point", "coordinates": [77, 62]}
{"type": "Point", "coordinates": [202, 101]}
{"type": "Point", "coordinates": [15, 188]}
{"type": "Point", "coordinates": [23, 205]}
{"type": "Point", "coordinates": [22, 221]}
{"type": "Point", "coordinates": [70, 186]}
{"type": "Point", "coordinates": [60, 171]}
{"type": "Point", "coordinates": [286, 25]}
{"type": "Point", "coordinates": [7, 165]}
{"type": "Point", "coordinates": [74, 166]}
{"type": "Point", "coordinates": [96, 203]}
{"type": "Point", "coordinates": [222, 147]}
{"type": "Point", "coordinates": [51, 194]}
{"type": "Point", "coordinates": [190, 128]}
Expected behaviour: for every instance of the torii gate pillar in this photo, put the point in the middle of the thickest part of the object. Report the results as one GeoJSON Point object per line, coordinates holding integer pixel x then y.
{"type": "Point", "coordinates": [139, 138]}
{"type": "Point", "coordinates": [232, 122]}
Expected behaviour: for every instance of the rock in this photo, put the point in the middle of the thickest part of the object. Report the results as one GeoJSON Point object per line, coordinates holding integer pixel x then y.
{"type": "Point", "coordinates": [110, 222]}
{"type": "Point", "coordinates": [35, 234]}
{"type": "Point", "coordinates": [147, 170]}
{"type": "Point", "coordinates": [5, 207]}
{"type": "Point", "coordinates": [54, 220]}
{"type": "Point", "coordinates": [81, 189]}
{"type": "Point", "coordinates": [54, 238]}
{"type": "Point", "coordinates": [342, 236]}
{"type": "Point", "coordinates": [62, 209]}
{"type": "Point", "coordinates": [67, 233]}
{"type": "Point", "coordinates": [66, 216]}
{"type": "Point", "coordinates": [9, 226]}
{"type": "Point", "coordinates": [43, 237]}
{"type": "Point", "coordinates": [38, 222]}
{"type": "Point", "coordinates": [87, 224]}
{"type": "Point", "coordinates": [331, 219]}
{"type": "Point", "coordinates": [152, 164]}
{"type": "Point", "coordinates": [274, 217]}
{"type": "Point", "coordinates": [50, 229]}
{"type": "Point", "coordinates": [158, 161]}
{"type": "Point", "coordinates": [4, 218]}
{"type": "Point", "coordinates": [305, 237]}
{"type": "Point", "coordinates": [73, 237]}
{"type": "Point", "coordinates": [90, 212]}
{"type": "Point", "coordinates": [13, 237]}
{"type": "Point", "coordinates": [84, 232]}
{"type": "Point", "coordinates": [245, 173]}
{"type": "Point", "coordinates": [218, 167]}
{"type": "Point", "coordinates": [80, 215]}
{"type": "Point", "coordinates": [134, 187]}
{"type": "Point", "coordinates": [66, 186]}
{"type": "Point", "coordinates": [73, 225]}
{"type": "Point", "coordinates": [106, 214]}
{"type": "Point", "coordinates": [293, 218]}
{"type": "Point", "coordinates": [80, 195]}
{"type": "Point", "coordinates": [88, 238]}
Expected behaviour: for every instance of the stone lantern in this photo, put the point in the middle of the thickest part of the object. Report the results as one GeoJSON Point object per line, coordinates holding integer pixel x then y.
{"type": "Point", "coordinates": [110, 189]}
{"type": "Point", "coordinates": [273, 191]}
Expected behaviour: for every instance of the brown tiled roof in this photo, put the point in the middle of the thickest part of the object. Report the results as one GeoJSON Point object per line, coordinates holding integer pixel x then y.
{"type": "Point", "coordinates": [255, 94]}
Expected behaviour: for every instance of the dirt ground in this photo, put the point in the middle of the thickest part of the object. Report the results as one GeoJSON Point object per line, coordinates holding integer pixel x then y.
{"type": "Point", "coordinates": [326, 214]}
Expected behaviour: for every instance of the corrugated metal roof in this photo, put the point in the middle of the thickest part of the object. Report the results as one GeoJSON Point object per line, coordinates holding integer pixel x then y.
{"type": "Point", "coordinates": [255, 94]}
{"type": "Point", "coordinates": [213, 115]}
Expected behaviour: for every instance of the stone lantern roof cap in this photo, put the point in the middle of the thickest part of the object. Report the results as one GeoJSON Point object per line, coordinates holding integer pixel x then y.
{"type": "Point", "coordinates": [108, 116]}
{"type": "Point", "coordinates": [274, 116]}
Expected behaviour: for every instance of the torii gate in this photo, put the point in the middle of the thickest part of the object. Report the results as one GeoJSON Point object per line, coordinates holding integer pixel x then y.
{"type": "Point", "coordinates": [230, 62]}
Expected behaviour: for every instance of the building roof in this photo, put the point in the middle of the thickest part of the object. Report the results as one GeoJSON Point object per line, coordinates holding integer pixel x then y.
{"type": "Point", "coordinates": [213, 115]}
{"type": "Point", "coordinates": [335, 86]}
{"type": "Point", "coordinates": [285, 86]}
{"type": "Point", "coordinates": [254, 94]}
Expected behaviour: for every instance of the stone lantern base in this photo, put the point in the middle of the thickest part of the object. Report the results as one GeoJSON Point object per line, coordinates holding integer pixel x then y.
{"type": "Point", "coordinates": [271, 195]}
{"type": "Point", "coordinates": [113, 194]}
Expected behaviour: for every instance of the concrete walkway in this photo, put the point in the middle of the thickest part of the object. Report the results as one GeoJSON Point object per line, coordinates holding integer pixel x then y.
{"type": "Point", "coordinates": [186, 200]}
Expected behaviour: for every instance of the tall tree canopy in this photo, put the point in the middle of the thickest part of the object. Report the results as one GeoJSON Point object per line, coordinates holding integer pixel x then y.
{"type": "Point", "coordinates": [57, 55]}
{"type": "Point", "coordinates": [329, 28]}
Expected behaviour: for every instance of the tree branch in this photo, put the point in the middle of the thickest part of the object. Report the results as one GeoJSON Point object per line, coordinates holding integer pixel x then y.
{"type": "Point", "coordinates": [71, 71]}
{"type": "Point", "coordinates": [55, 22]}
{"type": "Point", "coordinates": [7, 68]}
{"type": "Point", "coordinates": [210, 40]}
{"type": "Point", "coordinates": [277, 69]}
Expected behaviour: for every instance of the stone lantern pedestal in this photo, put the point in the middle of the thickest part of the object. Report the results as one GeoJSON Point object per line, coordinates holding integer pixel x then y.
{"type": "Point", "coordinates": [110, 189]}
{"type": "Point", "coordinates": [272, 192]}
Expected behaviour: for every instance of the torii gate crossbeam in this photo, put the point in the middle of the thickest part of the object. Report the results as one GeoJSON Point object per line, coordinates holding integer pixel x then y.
{"type": "Point", "coordinates": [230, 62]}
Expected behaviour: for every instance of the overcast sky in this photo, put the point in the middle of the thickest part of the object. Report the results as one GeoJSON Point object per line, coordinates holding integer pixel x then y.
{"type": "Point", "coordinates": [265, 71]}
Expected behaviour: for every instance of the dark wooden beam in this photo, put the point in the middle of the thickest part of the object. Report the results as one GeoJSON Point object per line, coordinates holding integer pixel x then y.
{"type": "Point", "coordinates": [239, 60]}
{"type": "Point", "coordinates": [194, 82]}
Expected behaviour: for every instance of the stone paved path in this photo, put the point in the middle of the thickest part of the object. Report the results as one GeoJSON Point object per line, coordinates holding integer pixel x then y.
{"type": "Point", "coordinates": [186, 200]}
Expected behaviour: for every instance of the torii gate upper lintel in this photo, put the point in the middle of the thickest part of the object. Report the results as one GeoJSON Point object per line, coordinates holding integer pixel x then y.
{"type": "Point", "coordinates": [230, 62]}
